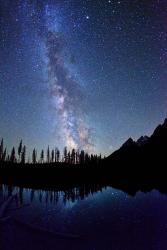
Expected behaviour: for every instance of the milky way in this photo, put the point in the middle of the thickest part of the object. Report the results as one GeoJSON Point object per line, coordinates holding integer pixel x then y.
{"type": "Point", "coordinates": [66, 96]}
{"type": "Point", "coordinates": [81, 73]}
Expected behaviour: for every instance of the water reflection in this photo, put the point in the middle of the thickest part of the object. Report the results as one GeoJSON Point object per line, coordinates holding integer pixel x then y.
{"type": "Point", "coordinates": [106, 218]}
{"type": "Point", "coordinates": [53, 197]}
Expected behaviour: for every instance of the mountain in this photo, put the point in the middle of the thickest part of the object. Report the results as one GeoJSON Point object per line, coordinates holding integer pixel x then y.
{"type": "Point", "coordinates": [142, 140]}
{"type": "Point", "coordinates": [145, 151]}
{"type": "Point", "coordinates": [129, 143]}
{"type": "Point", "coordinates": [139, 165]}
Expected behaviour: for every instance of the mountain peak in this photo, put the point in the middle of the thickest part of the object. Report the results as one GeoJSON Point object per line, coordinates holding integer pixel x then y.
{"type": "Point", "coordinates": [130, 142]}
{"type": "Point", "coordinates": [165, 122]}
{"type": "Point", "coordinates": [161, 129]}
{"type": "Point", "coordinates": [145, 148]}
{"type": "Point", "coordinates": [142, 140]}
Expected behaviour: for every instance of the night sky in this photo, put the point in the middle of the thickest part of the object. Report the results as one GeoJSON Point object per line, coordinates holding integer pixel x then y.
{"type": "Point", "coordinates": [82, 73]}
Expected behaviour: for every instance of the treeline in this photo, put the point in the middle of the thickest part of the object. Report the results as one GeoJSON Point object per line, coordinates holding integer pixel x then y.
{"type": "Point", "coordinates": [18, 155]}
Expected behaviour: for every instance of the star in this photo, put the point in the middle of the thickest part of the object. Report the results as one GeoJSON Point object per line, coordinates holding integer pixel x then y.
{"type": "Point", "coordinates": [102, 62]}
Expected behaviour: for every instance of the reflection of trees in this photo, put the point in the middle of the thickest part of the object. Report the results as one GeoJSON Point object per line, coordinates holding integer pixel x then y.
{"type": "Point", "coordinates": [70, 195]}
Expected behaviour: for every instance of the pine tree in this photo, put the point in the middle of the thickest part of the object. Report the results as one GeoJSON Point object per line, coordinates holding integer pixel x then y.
{"type": "Point", "coordinates": [58, 155]}
{"type": "Point", "coordinates": [87, 158]}
{"type": "Point", "coordinates": [48, 155]}
{"type": "Point", "coordinates": [73, 156]}
{"type": "Point", "coordinates": [77, 157]}
{"type": "Point", "coordinates": [42, 156]}
{"type": "Point", "coordinates": [20, 149]}
{"type": "Point", "coordinates": [69, 157]}
{"type": "Point", "coordinates": [55, 155]}
{"type": "Point", "coordinates": [1, 150]}
{"type": "Point", "coordinates": [65, 154]}
{"type": "Point", "coordinates": [12, 156]}
{"type": "Point", "coordinates": [4, 155]}
{"type": "Point", "coordinates": [82, 157]}
{"type": "Point", "coordinates": [52, 155]}
{"type": "Point", "coordinates": [23, 155]}
{"type": "Point", "coordinates": [34, 156]}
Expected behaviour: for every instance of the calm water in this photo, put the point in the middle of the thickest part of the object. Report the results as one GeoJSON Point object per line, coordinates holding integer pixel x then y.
{"type": "Point", "coordinates": [105, 218]}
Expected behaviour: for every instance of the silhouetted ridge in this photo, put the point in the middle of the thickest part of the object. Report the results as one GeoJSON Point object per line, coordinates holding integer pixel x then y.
{"type": "Point", "coordinates": [165, 122]}
{"type": "Point", "coordinates": [161, 130]}
{"type": "Point", "coordinates": [129, 143]}
{"type": "Point", "coordinates": [146, 149]}
{"type": "Point", "coordinates": [142, 140]}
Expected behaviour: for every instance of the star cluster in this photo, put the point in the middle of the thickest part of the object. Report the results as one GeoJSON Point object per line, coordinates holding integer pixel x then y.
{"type": "Point", "coordinates": [104, 82]}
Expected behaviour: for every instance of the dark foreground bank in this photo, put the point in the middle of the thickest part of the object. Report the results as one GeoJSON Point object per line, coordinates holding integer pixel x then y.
{"type": "Point", "coordinates": [130, 178]}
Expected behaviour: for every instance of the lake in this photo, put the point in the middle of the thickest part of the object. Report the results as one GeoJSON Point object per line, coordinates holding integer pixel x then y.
{"type": "Point", "coordinates": [102, 217]}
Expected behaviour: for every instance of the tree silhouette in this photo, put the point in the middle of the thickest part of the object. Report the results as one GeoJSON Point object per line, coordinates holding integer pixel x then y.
{"type": "Point", "coordinates": [52, 155]}
{"type": "Point", "coordinates": [20, 149]}
{"type": "Point", "coordinates": [42, 156]}
{"type": "Point", "coordinates": [48, 155]}
{"type": "Point", "coordinates": [82, 157]}
{"type": "Point", "coordinates": [4, 155]}
{"type": "Point", "coordinates": [87, 158]}
{"type": "Point", "coordinates": [12, 156]}
{"type": "Point", "coordinates": [57, 155]}
{"type": "Point", "coordinates": [1, 150]}
{"type": "Point", "coordinates": [69, 157]}
{"type": "Point", "coordinates": [23, 155]}
{"type": "Point", "coordinates": [73, 155]}
{"type": "Point", "coordinates": [77, 160]}
{"type": "Point", "coordinates": [34, 156]}
{"type": "Point", "coordinates": [65, 155]}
